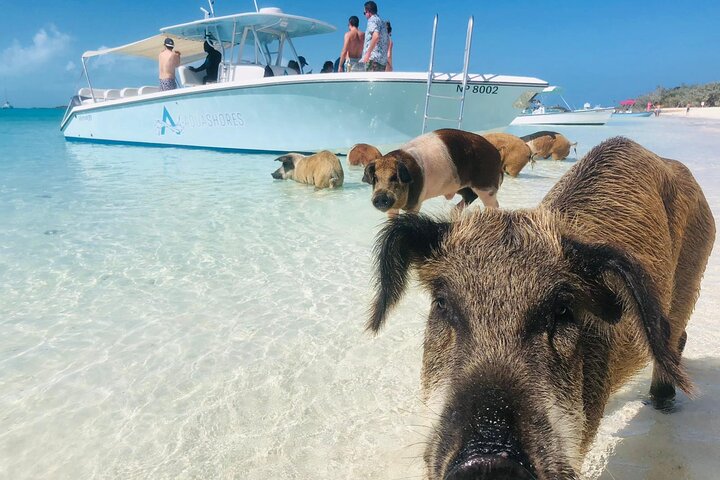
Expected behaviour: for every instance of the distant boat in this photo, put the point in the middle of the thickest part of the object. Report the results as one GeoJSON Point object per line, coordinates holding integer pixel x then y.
{"type": "Point", "coordinates": [6, 105]}
{"type": "Point", "coordinates": [536, 113]}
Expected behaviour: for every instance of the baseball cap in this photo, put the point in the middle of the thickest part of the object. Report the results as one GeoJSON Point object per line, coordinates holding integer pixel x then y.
{"type": "Point", "coordinates": [169, 42]}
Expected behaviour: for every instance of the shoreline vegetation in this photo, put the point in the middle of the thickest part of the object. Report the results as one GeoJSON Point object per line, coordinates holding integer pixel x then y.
{"type": "Point", "coordinates": [707, 95]}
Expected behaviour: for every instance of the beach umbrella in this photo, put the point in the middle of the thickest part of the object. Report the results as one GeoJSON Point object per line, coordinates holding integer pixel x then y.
{"type": "Point", "coordinates": [627, 102]}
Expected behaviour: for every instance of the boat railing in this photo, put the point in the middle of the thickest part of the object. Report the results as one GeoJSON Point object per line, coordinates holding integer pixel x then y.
{"type": "Point", "coordinates": [431, 79]}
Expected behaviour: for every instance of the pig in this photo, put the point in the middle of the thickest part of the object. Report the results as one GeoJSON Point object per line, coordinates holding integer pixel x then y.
{"type": "Point", "coordinates": [539, 315]}
{"type": "Point", "coordinates": [514, 152]}
{"type": "Point", "coordinates": [322, 169]}
{"type": "Point", "coordinates": [443, 162]}
{"type": "Point", "coordinates": [362, 154]}
{"type": "Point", "coordinates": [546, 144]}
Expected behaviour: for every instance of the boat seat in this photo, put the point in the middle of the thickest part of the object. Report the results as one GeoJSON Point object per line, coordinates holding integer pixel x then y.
{"type": "Point", "coordinates": [188, 78]}
{"type": "Point", "coordinates": [235, 73]}
{"type": "Point", "coordinates": [112, 94]}
{"type": "Point", "coordinates": [128, 92]}
{"type": "Point", "coordinates": [144, 90]}
{"type": "Point", "coordinates": [85, 93]}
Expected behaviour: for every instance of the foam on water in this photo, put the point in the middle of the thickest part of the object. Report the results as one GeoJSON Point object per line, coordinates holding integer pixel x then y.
{"type": "Point", "coordinates": [169, 313]}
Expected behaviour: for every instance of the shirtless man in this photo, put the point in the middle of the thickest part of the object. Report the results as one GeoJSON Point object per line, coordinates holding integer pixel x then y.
{"type": "Point", "coordinates": [352, 46]}
{"type": "Point", "coordinates": [168, 61]}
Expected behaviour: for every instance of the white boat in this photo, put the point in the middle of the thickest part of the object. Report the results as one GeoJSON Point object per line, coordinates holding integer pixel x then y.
{"type": "Point", "coordinates": [6, 105]}
{"type": "Point", "coordinates": [247, 110]}
{"type": "Point", "coordinates": [537, 113]}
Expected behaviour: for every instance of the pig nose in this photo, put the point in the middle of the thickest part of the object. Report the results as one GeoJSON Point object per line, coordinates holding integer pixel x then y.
{"type": "Point", "coordinates": [488, 467]}
{"type": "Point", "coordinates": [383, 202]}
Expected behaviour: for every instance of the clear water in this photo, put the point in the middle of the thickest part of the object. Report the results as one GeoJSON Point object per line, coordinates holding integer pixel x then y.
{"type": "Point", "coordinates": [172, 313]}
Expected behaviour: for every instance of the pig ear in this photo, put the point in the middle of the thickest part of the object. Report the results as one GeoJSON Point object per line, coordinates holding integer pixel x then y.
{"type": "Point", "coordinates": [612, 276]}
{"type": "Point", "coordinates": [287, 162]}
{"type": "Point", "coordinates": [369, 173]}
{"type": "Point", "coordinates": [406, 240]}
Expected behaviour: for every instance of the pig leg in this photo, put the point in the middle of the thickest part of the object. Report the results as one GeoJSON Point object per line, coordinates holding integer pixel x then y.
{"type": "Point", "coordinates": [468, 196]}
{"type": "Point", "coordinates": [662, 392]}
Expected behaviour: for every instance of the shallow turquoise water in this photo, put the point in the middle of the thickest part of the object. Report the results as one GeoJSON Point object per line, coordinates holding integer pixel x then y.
{"type": "Point", "coordinates": [173, 313]}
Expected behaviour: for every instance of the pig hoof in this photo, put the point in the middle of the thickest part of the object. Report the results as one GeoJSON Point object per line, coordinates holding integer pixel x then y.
{"type": "Point", "coordinates": [663, 397]}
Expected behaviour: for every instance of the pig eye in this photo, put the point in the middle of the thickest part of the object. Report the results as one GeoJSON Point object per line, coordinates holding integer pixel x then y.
{"type": "Point", "coordinates": [440, 303]}
{"type": "Point", "coordinates": [444, 312]}
{"type": "Point", "coordinates": [394, 178]}
{"type": "Point", "coordinates": [563, 314]}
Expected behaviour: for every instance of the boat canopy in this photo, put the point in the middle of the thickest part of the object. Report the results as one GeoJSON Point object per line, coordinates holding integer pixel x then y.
{"type": "Point", "coordinates": [526, 99]}
{"type": "Point", "coordinates": [267, 24]}
{"type": "Point", "coordinates": [270, 21]}
{"type": "Point", "coordinates": [191, 49]}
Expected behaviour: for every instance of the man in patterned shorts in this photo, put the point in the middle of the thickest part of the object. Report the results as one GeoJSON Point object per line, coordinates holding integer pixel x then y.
{"type": "Point", "coordinates": [376, 40]}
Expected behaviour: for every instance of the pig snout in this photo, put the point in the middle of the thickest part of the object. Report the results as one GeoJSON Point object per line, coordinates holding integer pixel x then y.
{"type": "Point", "coordinates": [277, 175]}
{"type": "Point", "coordinates": [490, 448]}
{"type": "Point", "coordinates": [489, 467]}
{"type": "Point", "coordinates": [383, 201]}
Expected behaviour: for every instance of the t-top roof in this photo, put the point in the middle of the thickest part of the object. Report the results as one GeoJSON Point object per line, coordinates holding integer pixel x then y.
{"type": "Point", "coordinates": [189, 37]}
{"type": "Point", "coordinates": [270, 20]}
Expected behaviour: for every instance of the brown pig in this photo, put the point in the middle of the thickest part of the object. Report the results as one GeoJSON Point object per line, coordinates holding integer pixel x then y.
{"type": "Point", "coordinates": [539, 315]}
{"type": "Point", "coordinates": [362, 154]}
{"type": "Point", "coordinates": [546, 144]}
{"type": "Point", "coordinates": [322, 169]}
{"type": "Point", "coordinates": [514, 152]}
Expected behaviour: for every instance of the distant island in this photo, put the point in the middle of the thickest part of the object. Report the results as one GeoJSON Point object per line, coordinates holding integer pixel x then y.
{"type": "Point", "coordinates": [693, 95]}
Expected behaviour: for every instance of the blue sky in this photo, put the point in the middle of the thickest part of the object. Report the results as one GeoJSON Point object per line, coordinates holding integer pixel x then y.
{"type": "Point", "coordinates": [599, 52]}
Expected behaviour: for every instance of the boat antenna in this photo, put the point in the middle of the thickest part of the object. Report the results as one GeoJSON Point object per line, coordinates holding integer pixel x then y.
{"type": "Point", "coordinates": [256, 6]}
{"type": "Point", "coordinates": [211, 13]}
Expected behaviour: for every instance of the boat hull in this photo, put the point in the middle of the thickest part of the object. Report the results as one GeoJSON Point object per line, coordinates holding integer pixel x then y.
{"type": "Point", "coordinates": [330, 111]}
{"type": "Point", "coordinates": [576, 117]}
{"type": "Point", "coordinates": [631, 115]}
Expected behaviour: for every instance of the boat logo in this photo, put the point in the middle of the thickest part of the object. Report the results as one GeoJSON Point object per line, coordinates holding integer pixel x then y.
{"type": "Point", "coordinates": [168, 123]}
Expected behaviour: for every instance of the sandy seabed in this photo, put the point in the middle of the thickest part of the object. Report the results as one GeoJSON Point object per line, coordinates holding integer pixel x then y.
{"type": "Point", "coordinates": [177, 314]}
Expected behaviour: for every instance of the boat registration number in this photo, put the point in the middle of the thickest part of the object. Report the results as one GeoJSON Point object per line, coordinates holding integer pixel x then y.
{"type": "Point", "coordinates": [486, 89]}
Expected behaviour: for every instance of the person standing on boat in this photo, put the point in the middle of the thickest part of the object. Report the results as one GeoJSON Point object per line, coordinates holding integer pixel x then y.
{"type": "Point", "coordinates": [211, 65]}
{"type": "Point", "coordinates": [352, 46]}
{"type": "Point", "coordinates": [376, 40]}
{"type": "Point", "coordinates": [388, 65]}
{"type": "Point", "coordinates": [168, 62]}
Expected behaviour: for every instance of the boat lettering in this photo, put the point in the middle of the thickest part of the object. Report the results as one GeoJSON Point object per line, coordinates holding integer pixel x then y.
{"type": "Point", "coordinates": [84, 118]}
{"type": "Point", "coordinates": [488, 89]}
{"type": "Point", "coordinates": [233, 119]}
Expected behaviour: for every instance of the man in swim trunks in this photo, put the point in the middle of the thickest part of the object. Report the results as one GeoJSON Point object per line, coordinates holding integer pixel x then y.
{"type": "Point", "coordinates": [168, 61]}
{"type": "Point", "coordinates": [352, 46]}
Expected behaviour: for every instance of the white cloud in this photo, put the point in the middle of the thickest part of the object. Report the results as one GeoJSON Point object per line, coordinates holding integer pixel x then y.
{"type": "Point", "coordinates": [70, 66]}
{"type": "Point", "coordinates": [46, 45]}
